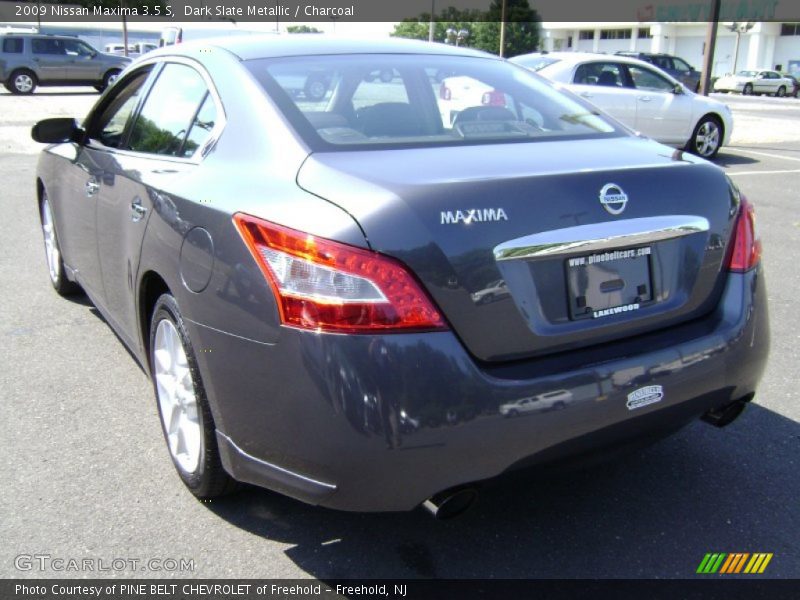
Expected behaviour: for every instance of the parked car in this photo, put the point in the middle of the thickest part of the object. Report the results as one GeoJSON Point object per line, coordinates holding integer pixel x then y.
{"type": "Point", "coordinates": [297, 279]}
{"type": "Point", "coordinates": [642, 97]}
{"type": "Point", "coordinates": [134, 50]}
{"type": "Point", "coordinates": [755, 82]}
{"type": "Point", "coordinates": [31, 60]}
{"type": "Point", "coordinates": [554, 400]}
{"type": "Point", "coordinates": [672, 65]}
{"type": "Point", "coordinates": [795, 77]}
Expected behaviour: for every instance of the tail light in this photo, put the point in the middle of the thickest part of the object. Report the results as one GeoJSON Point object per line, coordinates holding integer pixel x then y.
{"type": "Point", "coordinates": [328, 286]}
{"type": "Point", "coordinates": [746, 244]}
{"type": "Point", "coordinates": [444, 92]}
{"type": "Point", "coordinates": [494, 98]}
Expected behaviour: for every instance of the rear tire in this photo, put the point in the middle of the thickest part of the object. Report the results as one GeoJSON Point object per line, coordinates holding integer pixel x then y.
{"type": "Point", "coordinates": [55, 264]}
{"type": "Point", "coordinates": [108, 80]}
{"type": "Point", "coordinates": [781, 92]}
{"type": "Point", "coordinates": [185, 414]}
{"type": "Point", "coordinates": [22, 82]}
{"type": "Point", "coordinates": [706, 138]}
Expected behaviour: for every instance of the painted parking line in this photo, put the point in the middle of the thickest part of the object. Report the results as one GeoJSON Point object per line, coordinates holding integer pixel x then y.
{"type": "Point", "coordinates": [767, 154]}
{"type": "Point", "coordinates": [781, 172]}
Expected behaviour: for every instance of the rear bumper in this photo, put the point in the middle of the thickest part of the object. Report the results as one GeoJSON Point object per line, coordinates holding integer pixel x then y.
{"type": "Point", "coordinates": [376, 423]}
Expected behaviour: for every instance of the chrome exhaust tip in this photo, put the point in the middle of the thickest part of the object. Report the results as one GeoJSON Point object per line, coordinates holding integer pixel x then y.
{"type": "Point", "coordinates": [450, 503]}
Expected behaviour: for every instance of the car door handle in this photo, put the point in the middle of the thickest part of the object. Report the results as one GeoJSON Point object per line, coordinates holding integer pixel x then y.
{"type": "Point", "coordinates": [92, 187]}
{"type": "Point", "coordinates": [644, 98]}
{"type": "Point", "coordinates": [137, 210]}
{"type": "Point", "coordinates": [586, 94]}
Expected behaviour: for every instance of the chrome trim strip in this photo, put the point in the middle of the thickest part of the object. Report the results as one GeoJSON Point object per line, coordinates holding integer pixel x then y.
{"type": "Point", "coordinates": [598, 237]}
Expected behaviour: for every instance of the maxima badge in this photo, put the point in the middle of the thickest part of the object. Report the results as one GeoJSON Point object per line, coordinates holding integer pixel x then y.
{"type": "Point", "coordinates": [643, 396]}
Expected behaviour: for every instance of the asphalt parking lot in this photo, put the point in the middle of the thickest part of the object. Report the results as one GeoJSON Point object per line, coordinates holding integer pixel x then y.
{"type": "Point", "coordinates": [86, 474]}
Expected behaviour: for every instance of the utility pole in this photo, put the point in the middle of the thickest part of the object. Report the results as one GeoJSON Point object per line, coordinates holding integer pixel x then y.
{"type": "Point", "coordinates": [432, 25]}
{"type": "Point", "coordinates": [502, 28]}
{"type": "Point", "coordinates": [711, 42]}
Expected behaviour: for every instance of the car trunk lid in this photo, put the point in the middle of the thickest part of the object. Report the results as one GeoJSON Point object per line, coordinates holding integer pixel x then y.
{"type": "Point", "coordinates": [542, 247]}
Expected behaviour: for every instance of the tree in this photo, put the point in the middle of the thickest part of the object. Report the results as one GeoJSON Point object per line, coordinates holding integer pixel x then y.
{"type": "Point", "coordinates": [302, 29]}
{"type": "Point", "coordinates": [521, 35]}
{"type": "Point", "coordinates": [522, 28]}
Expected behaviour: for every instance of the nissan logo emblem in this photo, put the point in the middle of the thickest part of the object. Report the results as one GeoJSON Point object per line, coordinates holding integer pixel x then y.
{"type": "Point", "coordinates": [613, 199]}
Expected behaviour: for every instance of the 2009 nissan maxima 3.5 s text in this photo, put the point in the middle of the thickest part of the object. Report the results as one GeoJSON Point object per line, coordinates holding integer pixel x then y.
{"type": "Point", "coordinates": [376, 297]}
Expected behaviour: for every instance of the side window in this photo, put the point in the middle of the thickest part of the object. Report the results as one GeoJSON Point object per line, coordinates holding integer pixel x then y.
{"type": "Point", "coordinates": [48, 46]}
{"type": "Point", "coordinates": [681, 65]}
{"type": "Point", "coordinates": [12, 45]}
{"type": "Point", "coordinates": [201, 127]}
{"type": "Point", "coordinates": [645, 79]}
{"type": "Point", "coordinates": [599, 73]}
{"type": "Point", "coordinates": [165, 118]}
{"type": "Point", "coordinates": [663, 62]}
{"type": "Point", "coordinates": [77, 48]}
{"type": "Point", "coordinates": [109, 127]}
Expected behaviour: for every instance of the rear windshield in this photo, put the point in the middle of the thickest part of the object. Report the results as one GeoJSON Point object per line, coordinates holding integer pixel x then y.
{"type": "Point", "coordinates": [396, 100]}
{"type": "Point", "coordinates": [534, 63]}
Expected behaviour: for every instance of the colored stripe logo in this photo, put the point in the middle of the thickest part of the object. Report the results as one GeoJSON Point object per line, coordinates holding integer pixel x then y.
{"type": "Point", "coordinates": [733, 563]}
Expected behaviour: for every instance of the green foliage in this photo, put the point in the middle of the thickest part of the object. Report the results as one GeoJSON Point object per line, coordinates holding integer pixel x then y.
{"type": "Point", "coordinates": [521, 35]}
{"type": "Point", "coordinates": [302, 29]}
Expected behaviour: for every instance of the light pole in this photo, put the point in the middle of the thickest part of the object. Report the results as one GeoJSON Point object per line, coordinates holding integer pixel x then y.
{"type": "Point", "coordinates": [432, 25]}
{"type": "Point", "coordinates": [738, 29]}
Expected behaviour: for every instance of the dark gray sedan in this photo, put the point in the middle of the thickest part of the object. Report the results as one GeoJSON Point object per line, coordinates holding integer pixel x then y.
{"type": "Point", "coordinates": [311, 280]}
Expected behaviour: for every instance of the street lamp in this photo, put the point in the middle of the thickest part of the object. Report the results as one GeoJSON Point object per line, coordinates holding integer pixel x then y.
{"type": "Point", "coordinates": [738, 29]}
{"type": "Point", "coordinates": [455, 37]}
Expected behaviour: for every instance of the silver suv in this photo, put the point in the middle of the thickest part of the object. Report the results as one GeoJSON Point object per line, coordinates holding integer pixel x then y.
{"type": "Point", "coordinates": [30, 60]}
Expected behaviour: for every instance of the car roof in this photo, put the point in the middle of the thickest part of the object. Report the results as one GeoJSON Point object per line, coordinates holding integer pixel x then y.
{"type": "Point", "coordinates": [577, 57]}
{"type": "Point", "coordinates": [250, 47]}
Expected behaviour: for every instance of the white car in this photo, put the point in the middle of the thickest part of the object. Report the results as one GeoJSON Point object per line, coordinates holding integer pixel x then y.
{"type": "Point", "coordinates": [641, 96]}
{"type": "Point", "coordinates": [554, 400]}
{"type": "Point", "coordinates": [755, 82]}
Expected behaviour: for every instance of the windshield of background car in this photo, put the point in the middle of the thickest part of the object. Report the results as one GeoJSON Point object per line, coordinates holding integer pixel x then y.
{"type": "Point", "coordinates": [396, 100]}
{"type": "Point", "coordinates": [534, 63]}
{"type": "Point", "coordinates": [746, 73]}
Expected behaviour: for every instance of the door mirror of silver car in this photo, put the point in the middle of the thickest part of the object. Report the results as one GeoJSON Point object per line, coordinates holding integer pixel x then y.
{"type": "Point", "coordinates": [677, 89]}
{"type": "Point", "coordinates": [56, 131]}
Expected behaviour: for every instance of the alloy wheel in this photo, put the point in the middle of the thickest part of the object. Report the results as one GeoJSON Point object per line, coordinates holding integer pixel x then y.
{"type": "Point", "coordinates": [50, 242]}
{"type": "Point", "coordinates": [177, 398]}
{"type": "Point", "coordinates": [23, 83]}
{"type": "Point", "coordinates": [706, 140]}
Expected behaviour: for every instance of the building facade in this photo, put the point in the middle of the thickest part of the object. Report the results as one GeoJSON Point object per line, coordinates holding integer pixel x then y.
{"type": "Point", "coordinates": [744, 45]}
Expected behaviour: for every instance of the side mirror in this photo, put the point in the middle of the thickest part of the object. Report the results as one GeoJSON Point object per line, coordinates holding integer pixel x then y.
{"type": "Point", "coordinates": [677, 89]}
{"type": "Point", "coordinates": [56, 131]}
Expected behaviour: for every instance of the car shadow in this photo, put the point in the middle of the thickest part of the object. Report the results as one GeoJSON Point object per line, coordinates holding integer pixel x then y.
{"type": "Point", "coordinates": [46, 93]}
{"type": "Point", "coordinates": [653, 513]}
{"type": "Point", "coordinates": [724, 159]}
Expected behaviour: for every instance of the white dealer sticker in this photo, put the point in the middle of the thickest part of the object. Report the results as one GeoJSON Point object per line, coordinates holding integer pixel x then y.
{"type": "Point", "coordinates": [643, 396]}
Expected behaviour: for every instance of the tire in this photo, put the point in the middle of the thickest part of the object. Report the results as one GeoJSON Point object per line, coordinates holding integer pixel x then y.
{"type": "Point", "coordinates": [315, 88]}
{"type": "Point", "coordinates": [706, 138]}
{"type": "Point", "coordinates": [183, 408]}
{"type": "Point", "coordinates": [513, 413]}
{"type": "Point", "coordinates": [781, 92]}
{"type": "Point", "coordinates": [108, 80]}
{"type": "Point", "coordinates": [52, 250]}
{"type": "Point", "coordinates": [22, 82]}
{"type": "Point", "coordinates": [747, 90]}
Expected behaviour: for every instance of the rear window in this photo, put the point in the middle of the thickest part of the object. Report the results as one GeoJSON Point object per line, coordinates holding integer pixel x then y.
{"type": "Point", "coordinates": [534, 63]}
{"type": "Point", "coordinates": [12, 45]}
{"type": "Point", "coordinates": [387, 100]}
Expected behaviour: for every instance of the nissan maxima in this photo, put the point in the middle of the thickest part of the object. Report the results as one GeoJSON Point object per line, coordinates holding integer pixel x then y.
{"type": "Point", "coordinates": [303, 277]}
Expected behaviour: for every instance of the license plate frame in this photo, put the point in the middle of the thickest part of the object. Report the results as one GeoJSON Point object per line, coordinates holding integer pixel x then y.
{"type": "Point", "coordinates": [608, 283]}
